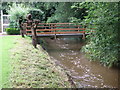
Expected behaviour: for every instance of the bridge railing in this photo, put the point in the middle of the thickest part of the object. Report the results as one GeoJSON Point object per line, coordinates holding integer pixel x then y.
{"type": "Point", "coordinates": [35, 28]}
{"type": "Point", "coordinates": [56, 28]}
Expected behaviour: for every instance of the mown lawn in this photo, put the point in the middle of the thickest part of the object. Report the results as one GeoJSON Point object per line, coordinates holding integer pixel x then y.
{"type": "Point", "coordinates": [6, 43]}
{"type": "Point", "coordinates": [23, 66]}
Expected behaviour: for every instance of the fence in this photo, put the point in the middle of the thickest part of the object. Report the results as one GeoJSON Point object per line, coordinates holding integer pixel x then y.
{"type": "Point", "coordinates": [5, 21]}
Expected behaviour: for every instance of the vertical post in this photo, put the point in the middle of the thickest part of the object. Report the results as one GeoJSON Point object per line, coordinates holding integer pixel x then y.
{"type": "Point", "coordinates": [83, 33]}
{"type": "Point", "coordinates": [54, 32]}
{"type": "Point", "coordinates": [21, 27]}
{"type": "Point", "coordinates": [34, 37]}
{"type": "Point", "coordinates": [25, 28]}
{"type": "Point", "coordinates": [2, 21]}
{"type": "Point", "coordinates": [34, 34]}
{"type": "Point", "coordinates": [78, 28]}
{"type": "Point", "coordinates": [33, 29]}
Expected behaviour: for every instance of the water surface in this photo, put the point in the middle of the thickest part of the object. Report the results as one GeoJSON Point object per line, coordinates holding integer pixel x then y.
{"type": "Point", "coordinates": [67, 53]}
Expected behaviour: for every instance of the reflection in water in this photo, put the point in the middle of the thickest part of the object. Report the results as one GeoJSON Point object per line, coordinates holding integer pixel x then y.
{"type": "Point", "coordinates": [85, 73]}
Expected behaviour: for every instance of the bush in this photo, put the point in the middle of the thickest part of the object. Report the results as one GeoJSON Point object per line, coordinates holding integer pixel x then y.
{"type": "Point", "coordinates": [12, 31]}
{"type": "Point", "coordinates": [104, 44]}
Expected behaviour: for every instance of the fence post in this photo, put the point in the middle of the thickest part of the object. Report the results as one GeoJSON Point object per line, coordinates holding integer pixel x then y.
{"type": "Point", "coordinates": [54, 32]}
{"type": "Point", "coordinates": [78, 28]}
{"type": "Point", "coordinates": [83, 33]}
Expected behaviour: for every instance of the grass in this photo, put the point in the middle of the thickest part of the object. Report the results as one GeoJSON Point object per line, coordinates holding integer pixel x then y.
{"type": "Point", "coordinates": [30, 67]}
{"type": "Point", "coordinates": [6, 43]}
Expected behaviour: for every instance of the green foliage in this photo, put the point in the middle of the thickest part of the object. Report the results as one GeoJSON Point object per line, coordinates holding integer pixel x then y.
{"type": "Point", "coordinates": [103, 44]}
{"type": "Point", "coordinates": [13, 24]}
{"type": "Point", "coordinates": [12, 31]}
{"type": "Point", "coordinates": [45, 10]}
{"type": "Point", "coordinates": [65, 12]}
{"type": "Point", "coordinates": [18, 11]}
{"type": "Point", "coordinates": [5, 6]}
{"type": "Point", "coordinates": [62, 13]}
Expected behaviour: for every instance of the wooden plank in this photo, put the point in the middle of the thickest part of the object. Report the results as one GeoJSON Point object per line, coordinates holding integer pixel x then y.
{"type": "Point", "coordinates": [58, 29]}
{"type": "Point", "coordinates": [58, 26]}
{"type": "Point", "coordinates": [58, 32]}
{"type": "Point", "coordinates": [54, 23]}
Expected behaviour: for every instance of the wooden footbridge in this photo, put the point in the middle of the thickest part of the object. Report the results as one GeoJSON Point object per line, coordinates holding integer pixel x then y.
{"type": "Point", "coordinates": [57, 29]}
{"type": "Point", "coordinates": [36, 29]}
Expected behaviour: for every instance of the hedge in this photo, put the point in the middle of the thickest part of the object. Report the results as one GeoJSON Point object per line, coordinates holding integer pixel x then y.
{"type": "Point", "coordinates": [12, 31]}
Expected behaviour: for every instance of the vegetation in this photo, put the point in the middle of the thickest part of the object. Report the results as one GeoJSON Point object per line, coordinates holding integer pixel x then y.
{"type": "Point", "coordinates": [66, 13]}
{"type": "Point", "coordinates": [18, 12]}
{"type": "Point", "coordinates": [6, 43]}
{"type": "Point", "coordinates": [38, 70]}
{"type": "Point", "coordinates": [103, 44]}
{"type": "Point", "coordinates": [28, 67]}
{"type": "Point", "coordinates": [12, 31]}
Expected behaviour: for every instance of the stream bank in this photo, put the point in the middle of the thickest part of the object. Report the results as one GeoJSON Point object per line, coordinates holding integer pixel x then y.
{"type": "Point", "coordinates": [33, 68]}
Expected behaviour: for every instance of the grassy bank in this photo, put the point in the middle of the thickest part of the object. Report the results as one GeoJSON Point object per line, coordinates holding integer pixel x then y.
{"type": "Point", "coordinates": [6, 43]}
{"type": "Point", "coordinates": [33, 68]}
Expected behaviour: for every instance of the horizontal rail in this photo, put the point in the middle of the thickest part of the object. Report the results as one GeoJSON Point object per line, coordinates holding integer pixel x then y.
{"type": "Point", "coordinates": [57, 32]}
{"type": "Point", "coordinates": [57, 29]}
{"type": "Point", "coordinates": [51, 29]}
{"type": "Point", "coordinates": [52, 23]}
{"type": "Point", "coordinates": [58, 26]}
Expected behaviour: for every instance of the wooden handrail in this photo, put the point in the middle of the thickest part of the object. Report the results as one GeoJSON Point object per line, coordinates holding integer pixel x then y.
{"type": "Point", "coordinates": [52, 23]}
{"type": "Point", "coordinates": [63, 28]}
{"type": "Point", "coordinates": [38, 29]}
{"type": "Point", "coordinates": [57, 32]}
{"type": "Point", "coordinates": [58, 26]}
{"type": "Point", "coordinates": [58, 29]}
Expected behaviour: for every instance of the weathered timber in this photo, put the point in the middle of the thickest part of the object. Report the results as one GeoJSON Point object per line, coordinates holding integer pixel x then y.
{"type": "Point", "coordinates": [21, 27]}
{"type": "Point", "coordinates": [33, 26]}
{"type": "Point", "coordinates": [34, 37]}
{"type": "Point", "coordinates": [57, 30]}
{"type": "Point", "coordinates": [53, 29]}
{"type": "Point", "coordinates": [34, 34]}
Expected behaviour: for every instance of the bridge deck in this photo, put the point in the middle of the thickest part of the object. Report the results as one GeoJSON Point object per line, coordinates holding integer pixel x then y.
{"type": "Point", "coordinates": [61, 35]}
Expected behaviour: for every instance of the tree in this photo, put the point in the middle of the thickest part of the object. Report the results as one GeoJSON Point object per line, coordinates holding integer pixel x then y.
{"type": "Point", "coordinates": [18, 13]}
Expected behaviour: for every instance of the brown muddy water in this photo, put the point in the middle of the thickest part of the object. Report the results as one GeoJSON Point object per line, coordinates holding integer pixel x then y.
{"type": "Point", "coordinates": [67, 53]}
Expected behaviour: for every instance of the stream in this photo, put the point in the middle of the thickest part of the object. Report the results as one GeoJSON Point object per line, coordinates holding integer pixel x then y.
{"type": "Point", "coordinates": [66, 52]}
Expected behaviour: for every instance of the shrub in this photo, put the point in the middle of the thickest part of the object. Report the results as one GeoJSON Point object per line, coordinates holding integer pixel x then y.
{"type": "Point", "coordinates": [12, 31]}
{"type": "Point", "coordinates": [103, 44]}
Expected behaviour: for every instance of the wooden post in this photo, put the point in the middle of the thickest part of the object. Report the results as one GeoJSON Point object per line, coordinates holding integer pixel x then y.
{"type": "Point", "coordinates": [21, 27]}
{"type": "Point", "coordinates": [34, 34]}
{"type": "Point", "coordinates": [83, 33]}
{"type": "Point", "coordinates": [33, 29]}
{"type": "Point", "coordinates": [78, 28]}
{"type": "Point", "coordinates": [54, 32]}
